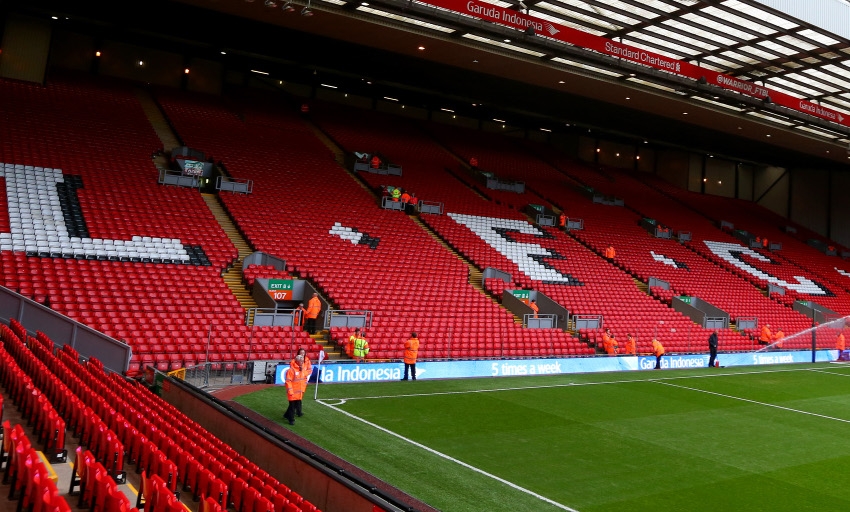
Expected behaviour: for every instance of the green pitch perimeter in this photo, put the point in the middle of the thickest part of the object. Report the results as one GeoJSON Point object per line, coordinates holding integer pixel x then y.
{"type": "Point", "coordinates": [771, 439]}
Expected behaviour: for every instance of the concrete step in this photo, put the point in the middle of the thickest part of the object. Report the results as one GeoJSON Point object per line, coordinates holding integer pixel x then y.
{"type": "Point", "coordinates": [233, 276]}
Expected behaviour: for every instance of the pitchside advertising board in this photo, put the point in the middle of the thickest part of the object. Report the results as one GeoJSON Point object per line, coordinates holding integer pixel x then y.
{"type": "Point", "coordinates": [571, 36]}
{"type": "Point", "coordinates": [377, 372]}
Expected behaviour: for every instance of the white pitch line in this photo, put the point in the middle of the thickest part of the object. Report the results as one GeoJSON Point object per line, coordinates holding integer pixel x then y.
{"type": "Point", "coordinates": [551, 386]}
{"type": "Point", "coordinates": [452, 459]}
{"type": "Point", "coordinates": [831, 373]}
{"type": "Point", "coordinates": [755, 402]}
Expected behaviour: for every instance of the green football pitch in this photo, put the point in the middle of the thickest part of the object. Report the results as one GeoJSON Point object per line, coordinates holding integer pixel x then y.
{"type": "Point", "coordinates": [750, 438]}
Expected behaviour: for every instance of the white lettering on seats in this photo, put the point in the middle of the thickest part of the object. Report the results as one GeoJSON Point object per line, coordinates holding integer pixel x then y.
{"type": "Point", "coordinates": [527, 256]}
{"type": "Point", "coordinates": [37, 223]}
{"type": "Point", "coordinates": [731, 253]}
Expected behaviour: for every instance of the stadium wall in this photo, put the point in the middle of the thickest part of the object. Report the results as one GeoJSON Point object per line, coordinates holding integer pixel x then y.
{"type": "Point", "coordinates": [771, 186]}
{"type": "Point", "coordinates": [26, 47]}
{"type": "Point", "coordinates": [840, 208]}
{"type": "Point", "coordinates": [810, 198]}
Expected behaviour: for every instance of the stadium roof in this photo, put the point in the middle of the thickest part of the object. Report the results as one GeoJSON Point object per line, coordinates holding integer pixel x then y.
{"type": "Point", "coordinates": [779, 76]}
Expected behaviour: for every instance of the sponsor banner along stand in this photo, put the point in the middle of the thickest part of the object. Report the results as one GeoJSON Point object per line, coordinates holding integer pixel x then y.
{"type": "Point", "coordinates": [385, 372]}
{"type": "Point", "coordinates": [574, 37]}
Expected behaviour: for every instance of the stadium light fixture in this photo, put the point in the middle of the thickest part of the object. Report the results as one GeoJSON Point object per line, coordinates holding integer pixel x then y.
{"type": "Point", "coordinates": [307, 11]}
{"type": "Point", "coordinates": [271, 3]}
{"type": "Point", "coordinates": [287, 6]}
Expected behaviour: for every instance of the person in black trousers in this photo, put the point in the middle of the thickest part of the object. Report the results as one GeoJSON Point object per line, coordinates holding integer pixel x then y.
{"type": "Point", "coordinates": [712, 348]}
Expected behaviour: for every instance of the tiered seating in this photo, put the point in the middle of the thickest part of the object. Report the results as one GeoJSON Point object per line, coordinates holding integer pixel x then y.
{"type": "Point", "coordinates": [796, 263]}
{"type": "Point", "coordinates": [645, 256]}
{"type": "Point", "coordinates": [107, 411]}
{"type": "Point", "coordinates": [24, 470]}
{"type": "Point", "coordinates": [407, 279]}
{"type": "Point", "coordinates": [28, 476]}
{"type": "Point", "coordinates": [91, 233]}
{"type": "Point", "coordinates": [604, 289]}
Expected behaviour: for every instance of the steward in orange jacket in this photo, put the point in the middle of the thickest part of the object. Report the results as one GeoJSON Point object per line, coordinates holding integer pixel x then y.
{"type": "Point", "coordinates": [610, 252]}
{"type": "Point", "coordinates": [766, 336]}
{"type": "Point", "coordinates": [658, 350]}
{"type": "Point", "coordinates": [534, 307]}
{"type": "Point", "coordinates": [839, 342]}
{"type": "Point", "coordinates": [631, 346]}
{"type": "Point", "coordinates": [411, 351]}
{"type": "Point", "coordinates": [314, 306]}
{"type": "Point", "coordinates": [777, 339]}
{"type": "Point", "coordinates": [609, 344]}
{"type": "Point", "coordinates": [304, 366]}
{"type": "Point", "coordinates": [294, 391]}
{"type": "Point", "coordinates": [298, 315]}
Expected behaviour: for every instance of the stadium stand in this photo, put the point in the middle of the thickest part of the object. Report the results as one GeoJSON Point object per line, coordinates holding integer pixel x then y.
{"type": "Point", "coordinates": [414, 283]}
{"type": "Point", "coordinates": [113, 418]}
{"type": "Point", "coordinates": [79, 131]}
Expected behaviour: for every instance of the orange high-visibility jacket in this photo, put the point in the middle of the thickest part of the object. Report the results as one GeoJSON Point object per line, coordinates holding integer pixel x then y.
{"type": "Point", "coordinates": [631, 347]}
{"type": "Point", "coordinates": [305, 369]}
{"type": "Point", "coordinates": [766, 336]}
{"type": "Point", "coordinates": [294, 391]}
{"type": "Point", "coordinates": [839, 343]}
{"type": "Point", "coordinates": [411, 350]}
{"type": "Point", "coordinates": [657, 348]}
{"type": "Point", "coordinates": [313, 307]}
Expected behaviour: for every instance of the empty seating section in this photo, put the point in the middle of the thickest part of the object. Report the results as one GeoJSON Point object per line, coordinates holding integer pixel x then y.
{"type": "Point", "coordinates": [731, 291]}
{"type": "Point", "coordinates": [28, 477]}
{"type": "Point", "coordinates": [645, 256]}
{"type": "Point", "coordinates": [407, 278]}
{"type": "Point", "coordinates": [118, 421]}
{"type": "Point", "coordinates": [94, 162]}
{"type": "Point", "coordinates": [95, 135]}
{"type": "Point", "coordinates": [594, 286]}
{"type": "Point", "coordinates": [638, 252]}
{"type": "Point", "coordinates": [798, 268]}
{"type": "Point", "coordinates": [426, 164]}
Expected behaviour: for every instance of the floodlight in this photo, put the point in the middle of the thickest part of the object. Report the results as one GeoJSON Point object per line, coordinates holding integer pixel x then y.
{"type": "Point", "coordinates": [287, 6]}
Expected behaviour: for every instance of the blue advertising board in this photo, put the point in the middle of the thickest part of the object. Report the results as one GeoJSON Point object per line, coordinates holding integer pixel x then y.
{"type": "Point", "coordinates": [384, 372]}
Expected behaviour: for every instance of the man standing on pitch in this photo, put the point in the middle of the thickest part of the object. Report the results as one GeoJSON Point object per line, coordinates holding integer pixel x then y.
{"type": "Point", "coordinates": [712, 348]}
{"type": "Point", "coordinates": [411, 350]}
{"type": "Point", "coordinates": [294, 388]}
{"type": "Point", "coordinates": [658, 350]}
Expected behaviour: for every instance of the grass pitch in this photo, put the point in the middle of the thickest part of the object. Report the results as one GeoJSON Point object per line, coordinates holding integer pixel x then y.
{"type": "Point", "coordinates": [757, 438]}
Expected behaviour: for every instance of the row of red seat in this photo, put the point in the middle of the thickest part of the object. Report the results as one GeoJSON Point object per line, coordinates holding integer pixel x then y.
{"type": "Point", "coordinates": [28, 476]}
{"type": "Point", "coordinates": [138, 425]}
{"type": "Point", "coordinates": [98, 490]}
